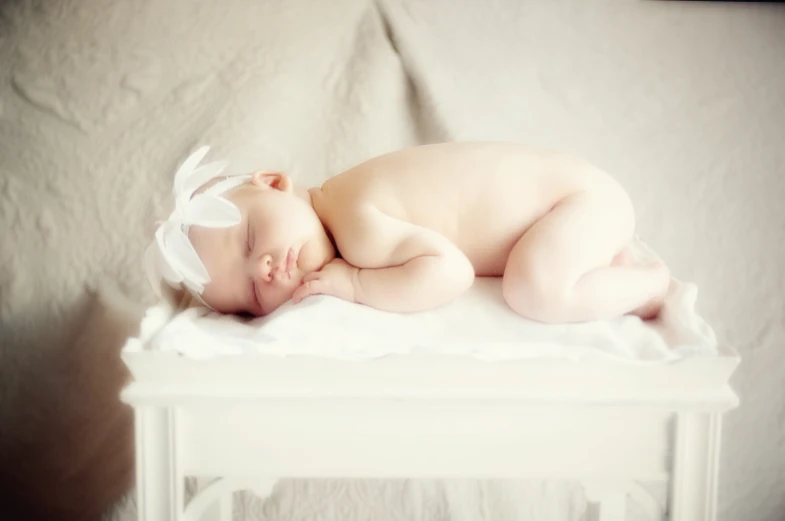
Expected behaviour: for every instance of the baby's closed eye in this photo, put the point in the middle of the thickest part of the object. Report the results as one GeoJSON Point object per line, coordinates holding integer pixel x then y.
{"type": "Point", "coordinates": [253, 298]}
{"type": "Point", "coordinates": [248, 240]}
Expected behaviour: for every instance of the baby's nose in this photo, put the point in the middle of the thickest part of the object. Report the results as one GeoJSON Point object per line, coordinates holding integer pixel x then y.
{"type": "Point", "coordinates": [266, 268]}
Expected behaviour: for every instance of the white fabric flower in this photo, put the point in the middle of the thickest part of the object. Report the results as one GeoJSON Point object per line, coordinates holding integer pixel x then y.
{"type": "Point", "coordinates": [171, 257]}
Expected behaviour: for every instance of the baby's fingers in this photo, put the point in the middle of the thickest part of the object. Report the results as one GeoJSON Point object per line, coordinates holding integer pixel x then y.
{"type": "Point", "coordinates": [306, 290]}
{"type": "Point", "coordinates": [311, 276]}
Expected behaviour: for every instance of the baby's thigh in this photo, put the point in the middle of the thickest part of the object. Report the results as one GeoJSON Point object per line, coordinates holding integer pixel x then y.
{"type": "Point", "coordinates": [581, 233]}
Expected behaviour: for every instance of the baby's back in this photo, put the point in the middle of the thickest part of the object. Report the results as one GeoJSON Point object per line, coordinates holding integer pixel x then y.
{"type": "Point", "coordinates": [481, 196]}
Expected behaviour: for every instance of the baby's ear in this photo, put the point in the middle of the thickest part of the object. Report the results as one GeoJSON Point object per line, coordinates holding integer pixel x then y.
{"type": "Point", "coordinates": [270, 179]}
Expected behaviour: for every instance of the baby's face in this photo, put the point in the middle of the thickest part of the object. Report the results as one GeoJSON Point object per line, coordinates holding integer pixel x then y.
{"type": "Point", "coordinates": [256, 265]}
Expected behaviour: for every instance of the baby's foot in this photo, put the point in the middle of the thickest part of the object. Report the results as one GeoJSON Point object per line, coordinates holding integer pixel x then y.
{"type": "Point", "coordinates": [651, 309]}
{"type": "Point", "coordinates": [623, 258]}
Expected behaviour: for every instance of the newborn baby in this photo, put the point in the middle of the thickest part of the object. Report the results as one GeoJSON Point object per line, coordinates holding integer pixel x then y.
{"type": "Point", "coordinates": [409, 231]}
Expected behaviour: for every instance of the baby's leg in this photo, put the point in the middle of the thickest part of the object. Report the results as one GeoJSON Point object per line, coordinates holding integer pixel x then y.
{"type": "Point", "coordinates": [571, 265]}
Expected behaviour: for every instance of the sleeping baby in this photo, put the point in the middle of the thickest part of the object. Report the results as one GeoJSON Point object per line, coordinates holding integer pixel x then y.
{"type": "Point", "coordinates": [409, 231]}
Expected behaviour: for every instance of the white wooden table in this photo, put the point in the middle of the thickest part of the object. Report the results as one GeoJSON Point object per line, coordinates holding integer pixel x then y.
{"type": "Point", "coordinates": [256, 419]}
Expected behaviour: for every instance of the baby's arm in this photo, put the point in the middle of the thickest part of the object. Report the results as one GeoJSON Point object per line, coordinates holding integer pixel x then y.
{"type": "Point", "coordinates": [418, 269]}
{"type": "Point", "coordinates": [424, 269]}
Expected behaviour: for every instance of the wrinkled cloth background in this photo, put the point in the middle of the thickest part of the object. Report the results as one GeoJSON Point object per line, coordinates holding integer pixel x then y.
{"type": "Point", "coordinates": [100, 99]}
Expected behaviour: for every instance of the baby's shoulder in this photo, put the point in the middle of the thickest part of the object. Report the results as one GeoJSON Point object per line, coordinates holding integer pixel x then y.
{"type": "Point", "coordinates": [355, 217]}
{"type": "Point", "coordinates": [362, 234]}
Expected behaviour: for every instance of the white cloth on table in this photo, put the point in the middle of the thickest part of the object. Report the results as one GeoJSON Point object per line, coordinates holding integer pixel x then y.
{"type": "Point", "coordinates": [478, 324]}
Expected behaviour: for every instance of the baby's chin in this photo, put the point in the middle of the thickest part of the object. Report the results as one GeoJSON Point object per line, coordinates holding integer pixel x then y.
{"type": "Point", "coordinates": [314, 255]}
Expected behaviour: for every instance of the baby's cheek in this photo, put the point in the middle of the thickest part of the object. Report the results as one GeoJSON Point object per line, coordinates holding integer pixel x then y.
{"type": "Point", "coordinates": [297, 280]}
{"type": "Point", "coordinates": [310, 259]}
{"type": "Point", "coordinates": [287, 294]}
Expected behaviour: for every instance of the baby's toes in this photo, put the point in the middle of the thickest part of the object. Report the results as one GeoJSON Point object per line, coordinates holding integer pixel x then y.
{"type": "Point", "coordinates": [623, 258]}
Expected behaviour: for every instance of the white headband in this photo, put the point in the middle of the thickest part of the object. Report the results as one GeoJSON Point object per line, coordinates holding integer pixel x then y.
{"type": "Point", "coordinates": [171, 257]}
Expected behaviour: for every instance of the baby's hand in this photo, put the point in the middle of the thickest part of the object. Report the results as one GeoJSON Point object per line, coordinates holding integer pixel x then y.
{"type": "Point", "coordinates": [336, 278]}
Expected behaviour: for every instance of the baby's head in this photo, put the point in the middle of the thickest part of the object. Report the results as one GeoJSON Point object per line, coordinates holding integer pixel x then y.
{"type": "Point", "coordinates": [239, 244]}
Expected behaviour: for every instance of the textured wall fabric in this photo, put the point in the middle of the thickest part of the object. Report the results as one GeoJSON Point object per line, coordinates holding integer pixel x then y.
{"type": "Point", "coordinates": [682, 102]}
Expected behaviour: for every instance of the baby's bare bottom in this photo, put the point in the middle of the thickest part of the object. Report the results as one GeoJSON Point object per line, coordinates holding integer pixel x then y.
{"type": "Point", "coordinates": [572, 264]}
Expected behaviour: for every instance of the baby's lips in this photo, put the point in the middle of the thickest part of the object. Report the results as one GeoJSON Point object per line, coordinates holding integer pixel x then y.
{"type": "Point", "coordinates": [290, 261]}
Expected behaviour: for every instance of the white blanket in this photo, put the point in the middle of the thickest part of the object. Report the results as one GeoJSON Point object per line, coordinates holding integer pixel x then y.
{"type": "Point", "coordinates": [478, 324]}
